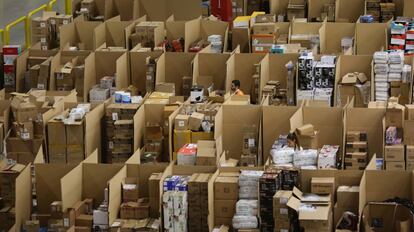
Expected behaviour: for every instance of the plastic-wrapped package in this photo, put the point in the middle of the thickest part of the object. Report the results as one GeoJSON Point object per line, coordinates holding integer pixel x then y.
{"type": "Point", "coordinates": [328, 157]}
{"type": "Point", "coordinates": [394, 76]}
{"type": "Point", "coordinates": [381, 68]}
{"type": "Point", "coordinates": [396, 68]}
{"type": "Point", "coordinates": [248, 192]}
{"type": "Point", "coordinates": [305, 158]}
{"type": "Point", "coordinates": [396, 57]}
{"type": "Point", "coordinates": [246, 207]}
{"type": "Point", "coordinates": [245, 222]}
{"type": "Point", "coordinates": [365, 91]}
{"type": "Point", "coordinates": [381, 57]}
{"type": "Point", "coordinates": [282, 155]}
{"type": "Point", "coordinates": [249, 177]}
{"type": "Point", "coordinates": [381, 78]}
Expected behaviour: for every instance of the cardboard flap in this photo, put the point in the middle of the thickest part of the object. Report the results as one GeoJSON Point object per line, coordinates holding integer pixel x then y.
{"type": "Point", "coordinates": [312, 212]}
{"type": "Point", "coordinates": [115, 194]}
{"type": "Point", "coordinates": [294, 203]}
{"type": "Point", "coordinates": [23, 201]}
{"type": "Point", "coordinates": [71, 187]}
{"type": "Point", "coordinates": [297, 192]}
{"type": "Point", "coordinates": [122, 72]}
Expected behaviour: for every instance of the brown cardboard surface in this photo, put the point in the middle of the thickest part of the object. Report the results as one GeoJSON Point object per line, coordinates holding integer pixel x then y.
{"type": "Point", "coordinates": [115, 194]}
{"type": "Point", "coordinates": [138, 68]}
{"type": "Point", "coordinates": [122, 72]}
{"type": "Point", "coordinates": [139, 127]}
{"type": "Point", "coordinates": [364, 45]}
{"type": "Point", "coordinates": [175, 29]}
{"type": "Point", "coordinates": [125, 9]}
{"type": "Point", "coordinates": [172, 67]}
{"type": "Point", "coordinates": [349, 10]}
{"type": "Point", "coordinates": [79, 32]}
{"type": "Point", "coordinates": [240, 66]}
{"type": "Point", "coordinates": [105, 62]}
{"type": "Point", "coordinates": [200, 29]}
{"type": "Point", "coordinates": [273, 128]}
{"type": "Point", "coordinates": [93, 130]}
{"type": "Point", "coordinates": [278, 6]}
{"type": "Point", "coordinates": [160, 10]}
{"type": "Point", "coordinates": [210, 64]}
{"type": "Point", "coordinates": [330, 35]}
{"type": "Point", "coordinates": [114, 34]}
{"type": "Point", "coordinates": [342, 177]}
{"type": "Point", "coordinates": [23, 197]}
{"type": "Point", "coordinates": [235, 117]}
{"type": "Point", "coordinates": [315, 7]}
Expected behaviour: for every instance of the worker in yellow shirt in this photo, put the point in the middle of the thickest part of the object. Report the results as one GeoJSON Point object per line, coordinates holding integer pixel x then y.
{"type": "Point", "coordinates": [235, 88]}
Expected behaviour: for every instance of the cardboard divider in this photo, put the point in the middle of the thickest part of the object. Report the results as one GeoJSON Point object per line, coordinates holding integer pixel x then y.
{"type": "Point", "coordinates": [128, 30]}
{"type": "Point", "coordinates": [240, 66]}
{"type": "Point", "coordinates": [113, 33]}
{"type": "Point", "coordinates": [378, 186]}
{"type": "Point", "coordinates": [62, 58]}
{"type": "Point", "coordinates": [86, 181]}
{"type": "Point", "coordinates": [350, 64]}
{"type": "Point", "coordinates": [271, 128]}
{"type": "Point", "coordinates": [123, 79]}
{"type": "Point", "coordinates": [200, 29]}
{"type": "Point", "coordinates": [138, 68]}
{"type": "Point", "coordinates": [48, 187]}
{"type": "Point", "coordinates": [330, 35]}
{"type": "Point", "coordinates": [93, 130]}
{"type": "Point", "coordinates": [140, 171]}
{"type": "Point", "coordinates": [23, 202]}
{"type": "Point", "coordinates": [172, 67]}
{"type": "Point", "coordinates": [408, 8]}
{"type": "Point", "coordinates": [364, 32]}
{"type": "Point", "coordinates": [92, 158]}
{"type": "Point", "coordinates": [139, 128]}
{"type": "Point", "coordinates": [189, 170]}
{"type": "Point", "coordinates": [315, 7]}
{"type": "Point", "coordinates": [106, 65]}
{"type": "Point", "coordinates": [160, 10]}
{"type": "Point", "coordinates": [371, 121]}
{"type": "Point", "coordinates": [278, 7]}
{"type": "Point", "coordinates": [22, 64]}
{"type": "Point", "coordinates": [304, 28]}
{"type": "Point", "coordinates": [171, 121]}
{"type": "Point", "coordinates": [272, 68]}
{"type": "Point", "coordinates": [349, 10]}
{"type": "Point", "coordinates": [211, 64]}
{"type": "Point", "coordinates": [235, 120]}
{"type": "Point", "coordinates": [79, 32]}
{"type": "Point", "coordinates": [125, 9]}
{"type": "Point", "coordinates": [175, 29]}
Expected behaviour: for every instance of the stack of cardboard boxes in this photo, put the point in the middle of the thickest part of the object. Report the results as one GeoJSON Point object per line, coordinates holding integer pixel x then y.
{"type": "Point", "coordinates": [394, 148]}
{"type": "Point", "coordinates": [373, 8]}
{"type": "Point", "coordinates": [356, 150]}
{"type": "Point", "coordinates": [264, 33]}
{"type": "Point", "coordinates": [154, 193]}
{"type": "Point", "coordinates": [387, 11]}
{"type": "Point", "coordinates": [120, 131]}
{"type": "Point", "coordinates": [66, 135]}
{"type": "Point", "coordinates": [352, 85]}
{"type": "Point", "coordinates": [281, 213]}
{"type": "Point", "coordinates": [295, 9]}
{"type": "Point", "coordinates": [78, 215]}
{"type": "Point", "coordinates": [198, 202]}
{"type": "Point", "coordinates": [37, 73]}
{"type": "Point", "coordinates": [226, 193]}
{"type": "Point", "coordinates": [89, 10]}
{"type": "Point", "coordinates": [46, 29]}
{"type": "Point", "coordinates": [130, 225]}
{"type": "Point", "coordinates": [133, 207]}
{"type": "Point", "coordinates": [105, 89]}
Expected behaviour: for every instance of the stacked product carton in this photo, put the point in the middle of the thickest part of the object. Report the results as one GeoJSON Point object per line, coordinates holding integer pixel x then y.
{"type": "Point", "coordinates": [356, 150]}
{"type": "Point", "coordinates": [175, 203]}
{"type": "Point", "coordinates": [282, 215]}
{"type": "Point", "coordinates": [269, 184]}
{"type": "Point", "coordinates": [226, 193]}
{"type": "Point", "coordinates": [120, 131]}
{"type": "Point", "coordinates": [10, 53]}
{"type": "Point", "coordinates": [198, 202]}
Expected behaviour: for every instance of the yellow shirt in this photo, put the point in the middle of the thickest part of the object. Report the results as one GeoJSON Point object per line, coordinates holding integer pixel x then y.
{"type": "Point", "coordinates": [239, 92]}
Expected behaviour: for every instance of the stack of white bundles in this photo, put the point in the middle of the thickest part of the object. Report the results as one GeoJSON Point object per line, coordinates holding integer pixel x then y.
{"type": "Point", "coordinates": [394, 76]}
{"type": "Point", "coordinates": [328, 157]}
{"type": "Point", "coordinates": [381, 57]}
{"type": "Point", "coordinates": [406, 73]}
{"type": "Point", "coordinates": [305, 158]}
{"type": "Point", "coordinates": [282, 155]}
{"type": "Point", "coordinates": [381, 70]}
{"type": "Point", "coordinates": [248, 184]}
{"type": "Point", "coordinates": [246, 207]}
{"type": "Point", "coordinates": [245, 222]}
{"type": "Point", "coordinates": [396, 68]}
{"type": "Point", "coordinates": [396, 57]}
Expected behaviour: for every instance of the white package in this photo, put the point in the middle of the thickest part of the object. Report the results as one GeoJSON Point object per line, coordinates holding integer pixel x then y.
{"type": "Point", "coordinates": [245, 222]}
{"type": "Point", "coordinates": [249, 177]}
{"type": "Point", "coordinates": [381, 57]}
{"type": "Point", "coordinates": [396, 57]}
{"type": "Point", "coordinates": [396, 68]}
{"type": "Point", "coordinates": [248, 192]}
{"type": "Point", "coordinates": [381, 77]}
{"type": "Point", "coordinates": [282, 155]}
{"type": "Point", "coordinates": [246, 207]}
{"type": "Point", "coordinates": [305, 158]}
{"type": "Point", "coordinates": [406, 73]}
{"type": "Point", "coordinates": [381, 68]}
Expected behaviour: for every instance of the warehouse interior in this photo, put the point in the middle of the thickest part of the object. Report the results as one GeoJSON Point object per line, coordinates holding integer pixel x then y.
{"type": "Point", "coordinates": [206, 116]}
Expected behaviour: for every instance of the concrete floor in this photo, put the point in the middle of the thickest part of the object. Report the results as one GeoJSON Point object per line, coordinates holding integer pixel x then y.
{"type": "Point", "coordinates": [10, 10]}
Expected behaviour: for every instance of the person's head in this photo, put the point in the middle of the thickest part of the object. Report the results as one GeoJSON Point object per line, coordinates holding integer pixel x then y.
{"type": "Point", "coordinates": [235, 85]}
{"type": "Point", "coordinates": [292, 140]}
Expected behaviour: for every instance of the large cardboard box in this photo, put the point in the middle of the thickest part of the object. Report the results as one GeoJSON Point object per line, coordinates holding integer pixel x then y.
{"type": "Point", "coordinates": [348, 197]}
{"type": "Point", "coordinates": [323, 185]}
{"type": "Point", "coordinates": [395, 166]}
{"type": "Point", "coordinates": [395, 153]}
{"type": "Point", "coordinates": [225, 208]}
{"type": "Point", "coordinates": [226, 188]}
